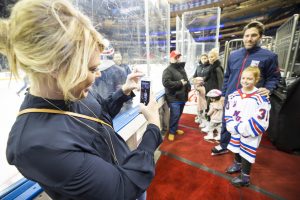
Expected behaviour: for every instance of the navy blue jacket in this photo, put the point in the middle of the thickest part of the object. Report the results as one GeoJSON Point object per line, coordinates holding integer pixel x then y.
{"type": "Point", "coordinates": [111, 80]}
{"type": "Point", "coordinates": [242, 58]}
{"type": "Point", "coordinates": [70, 161]}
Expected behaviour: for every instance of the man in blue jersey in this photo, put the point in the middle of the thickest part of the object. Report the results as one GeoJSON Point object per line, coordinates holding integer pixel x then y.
{"type": "Point", "coordinates": [249, 55]}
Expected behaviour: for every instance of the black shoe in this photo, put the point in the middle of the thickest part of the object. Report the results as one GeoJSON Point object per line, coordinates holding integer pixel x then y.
{"type": "Point", "coordinates": [218, 150]}
{"type": "Point", "coordinates": [241, 181]}
{"type": "Point", "coordinates": [234, 168]}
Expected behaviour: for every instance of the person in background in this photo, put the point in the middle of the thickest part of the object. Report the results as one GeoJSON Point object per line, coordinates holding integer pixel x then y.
{"type": "Point", "coordinates": [247, 118]}
{"type": "Point", "coordinates": [214, 80]}
{"type": "Point", "coordinates": [72, 152]}
{"type": "Point", "coordinates": [118, 60]}
{"type": "Point", "coordinates": [215, 77]}
{"type": "Point", "coordinates": [201, 100]}
{"type": "Point", "coordinates": [199, 79]}
{"type": "Point", "coordinates": [202, 70]}
{"type": "Point", "coordinates": [112, 75]}
{"type": "Point", "coordinates": [215, 113]}
{"type": "Point", "coordinates": [25, 85]}
{"type": "Point", "coordinates": [251, 54]}
{"type": "Point", "coordinates": [177, 87]}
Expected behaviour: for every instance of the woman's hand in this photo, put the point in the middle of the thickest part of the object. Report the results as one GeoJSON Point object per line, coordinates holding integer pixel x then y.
{"type": "Point", "coordinates": [150, 111]}
{"type": "Point", "coordinates": [132, 82]}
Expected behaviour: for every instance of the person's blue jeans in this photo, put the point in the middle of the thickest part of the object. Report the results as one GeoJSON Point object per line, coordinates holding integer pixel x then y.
{"type": "Point", "coordinates": [176, 110]}
{"type": "Point", "coordinates": [225, 135]}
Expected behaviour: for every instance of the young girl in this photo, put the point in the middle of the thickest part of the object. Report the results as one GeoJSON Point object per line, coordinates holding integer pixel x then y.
{"type": "Point", "coordinates": [201, 100]}
{"type": "Point", "coordinates": [215, 112]}
{"type": "Point", "coordinates": [247, 118]}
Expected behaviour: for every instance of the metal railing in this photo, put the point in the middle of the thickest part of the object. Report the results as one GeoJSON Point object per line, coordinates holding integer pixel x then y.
{"type": "Point", "coordinates": [286, 45]}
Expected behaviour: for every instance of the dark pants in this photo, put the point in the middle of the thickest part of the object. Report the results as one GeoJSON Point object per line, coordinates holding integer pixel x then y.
{"type": "Point", "coordinates": [246, 165]}
{"type": "Point", "coordinates": [175, 113]}
{"type": "Point", "coordinates": [225, 135]}
{"type": "Point", "coordinates": [143, 196]}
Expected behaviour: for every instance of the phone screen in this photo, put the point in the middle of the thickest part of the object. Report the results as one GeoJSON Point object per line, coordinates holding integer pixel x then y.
{"type": "Point", "coordinates": [145, 92]}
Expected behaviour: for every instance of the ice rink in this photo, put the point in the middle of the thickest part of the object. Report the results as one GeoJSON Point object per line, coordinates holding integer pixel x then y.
{"type": "Point", "coordinates": [9, 103]}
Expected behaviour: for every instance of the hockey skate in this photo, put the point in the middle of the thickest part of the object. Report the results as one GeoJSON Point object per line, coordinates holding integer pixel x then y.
{"type": "Point", "coordinates": [234, 168]}
{"type": "Point", "coordinates": [218, 150]}
{"type": "Point", "coordinates": [241, 180]}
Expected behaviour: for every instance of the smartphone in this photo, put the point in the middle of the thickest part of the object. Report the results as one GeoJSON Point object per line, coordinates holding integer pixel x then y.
{"type": "Point", "coordinates": [145, 91]}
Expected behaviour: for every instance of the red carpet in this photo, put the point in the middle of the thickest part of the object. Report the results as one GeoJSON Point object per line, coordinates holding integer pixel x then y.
{"type": "Point", "coordinates": [177, 180]}
{"type": "Point", "coordinates": [188, 120]}
{"type": "Point", "coordinates": [274, 171]}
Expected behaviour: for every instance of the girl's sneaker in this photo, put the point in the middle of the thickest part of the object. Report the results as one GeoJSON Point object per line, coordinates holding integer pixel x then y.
{"type": "Point", "coordinates": [217, 137]}
{"type": "Point", "coordinates": [209, 136]}
{"type": "Point", "coordinates": [205, 129]}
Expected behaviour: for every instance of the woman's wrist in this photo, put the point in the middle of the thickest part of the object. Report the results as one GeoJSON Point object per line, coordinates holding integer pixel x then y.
{"type": "Point", "coordinates": [126, 90]}
{"type": "Point", "coordinates": [155, 122]}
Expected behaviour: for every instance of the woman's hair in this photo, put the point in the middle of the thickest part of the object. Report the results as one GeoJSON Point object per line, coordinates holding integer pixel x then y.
{"type": "Point", "coordinates": [44, 37]}
{"type": "Point", "coordinates": [255, 71]}
{"type": "Point", "coordinates": [215, 52]}
{"type": "Point", "coordinates": [204, 54]}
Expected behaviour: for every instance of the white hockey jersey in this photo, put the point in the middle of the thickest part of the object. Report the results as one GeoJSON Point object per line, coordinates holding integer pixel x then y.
{"type": "Point", "coordinates": [247, 118]}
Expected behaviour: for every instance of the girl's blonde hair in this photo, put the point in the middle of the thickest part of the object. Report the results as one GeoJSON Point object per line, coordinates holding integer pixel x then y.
{"type": "Point", "coordinates": [255, 71]}
{"type": "Point", "coordinates": [44, 37]}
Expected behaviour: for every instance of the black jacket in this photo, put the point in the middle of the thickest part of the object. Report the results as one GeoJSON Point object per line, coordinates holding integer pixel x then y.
{"type": "Point", "coordinates": [215, 77]}
{"type": "Point", "coordinates": [202, 70]}
{"type": "Point", "coordinates": [171, 80]}
{"type": "Point", "coordinates": [71, 161]}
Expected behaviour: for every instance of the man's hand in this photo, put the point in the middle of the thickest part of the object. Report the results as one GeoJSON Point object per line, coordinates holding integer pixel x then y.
{"type": "Point", "coordinates": [132, 82]}
{"type": "Point", "coordinates": [264, 92]}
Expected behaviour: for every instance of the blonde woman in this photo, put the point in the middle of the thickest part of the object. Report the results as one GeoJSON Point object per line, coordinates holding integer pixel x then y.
{"type": "Point", "coordinates": [63, 136]}
{"type": "Point", "coordinates": [214, 79]}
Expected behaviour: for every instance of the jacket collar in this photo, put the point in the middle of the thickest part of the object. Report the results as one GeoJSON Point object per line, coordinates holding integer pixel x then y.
{"type": "Point", "coordinates": [252, 50]}
{"type": "Point", "coordinates": [177, 65]}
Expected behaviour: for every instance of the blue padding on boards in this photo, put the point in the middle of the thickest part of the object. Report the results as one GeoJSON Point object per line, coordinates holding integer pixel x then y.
{"type": "Point", "coordinates": [12, 187]}
{"type": "Point", "coordinates": [123, 119]}
{"type": "Point", "coordinates": [28, 190]}
{"type": "Point", "coordinates": [31, 193]}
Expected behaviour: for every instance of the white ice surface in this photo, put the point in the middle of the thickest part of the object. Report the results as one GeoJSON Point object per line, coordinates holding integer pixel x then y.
{"type": "Point", "coordinates": [9, 106]}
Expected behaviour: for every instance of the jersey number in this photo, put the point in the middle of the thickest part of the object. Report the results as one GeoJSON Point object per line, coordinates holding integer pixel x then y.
{"type": "Point", "coordinates": [262, 114]}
